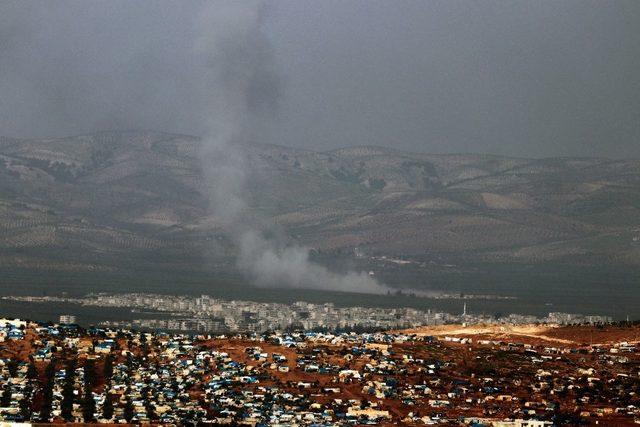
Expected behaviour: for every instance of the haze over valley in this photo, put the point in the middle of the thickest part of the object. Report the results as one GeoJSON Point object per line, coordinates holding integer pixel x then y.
{"type": "Point", "coordinates": [131, 209]}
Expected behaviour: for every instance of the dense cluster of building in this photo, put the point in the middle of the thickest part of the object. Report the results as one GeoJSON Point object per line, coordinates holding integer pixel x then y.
{"type": "Point", "coordinates": [207, 314]}
{"type": "Point", "coordinates": [56, 373]}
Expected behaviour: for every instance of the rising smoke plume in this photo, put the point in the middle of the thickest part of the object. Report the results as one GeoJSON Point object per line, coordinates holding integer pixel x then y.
{"type": "Point", "coordinates": [243, 87]}
{"type": "Point", "coordinates": [268, 264]}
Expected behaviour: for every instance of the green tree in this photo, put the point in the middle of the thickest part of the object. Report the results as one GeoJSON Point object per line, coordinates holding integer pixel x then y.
{"type": "Point", "coordinates": [108, 367]}
{"type": "Point", "coordinates": [32, 371]}
{"type": "Point", "coordinates": [88, 405]}
{"type": "Point", "coordinates": [5, 400]}
{"type": "Point", "coordinates": [12, 366]}
{"type": "Point", "coordinates": [68, 397]}
{"type": "Point", "coordinates": [25, 403]}
{"type": "Point", "coordinates": [151, 411]}
{"type": "Point", "coordinates": [128, 410]}
{"type": "Point", "coordinates": [90, 374]}
{"type": "Point", "coordinates": [148, 404]}
{"type": "Point", "coordinates": [47, 391]}
{"type": "Point", "coordinates": [107, 407]}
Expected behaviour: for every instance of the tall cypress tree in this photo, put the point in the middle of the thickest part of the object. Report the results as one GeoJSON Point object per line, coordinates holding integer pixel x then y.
{"type": "Point", "coordinates": [107, 407]}
{"type": "Point", "coordinates": [32, 371]}
{"type": "Point", "coordinates": [88, 405]}
{"type": "Point", "coordinates": [5, 400]}
{"type": "Point", "coordinates": [148, 404]}
{"type": "Point", "coordinates": [128, 410]}
{"type": "Point", "coordinates": [90, 373]}
{"type": "Point", "coordinates": [25, 403]}
{"type": "Point", "coordinates": [47, 391]}
{"type": "Point", "coordinates": [66, 407]}
{"type": "Point", "coordinates": [108, 367]}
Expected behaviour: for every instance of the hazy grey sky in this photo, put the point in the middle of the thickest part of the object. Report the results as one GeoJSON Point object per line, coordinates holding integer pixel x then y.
{"type": "Point", "coordinates": [527, 78]}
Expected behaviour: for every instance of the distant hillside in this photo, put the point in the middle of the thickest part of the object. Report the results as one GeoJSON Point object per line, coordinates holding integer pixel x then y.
{"type": "Point", "coordinates": [136, 202]}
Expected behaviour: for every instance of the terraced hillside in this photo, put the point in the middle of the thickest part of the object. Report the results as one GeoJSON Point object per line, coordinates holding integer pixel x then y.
{"type": "Point", "coordinates": [135, 203]}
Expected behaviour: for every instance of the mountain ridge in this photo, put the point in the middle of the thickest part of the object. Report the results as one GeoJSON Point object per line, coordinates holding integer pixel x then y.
{"type": "Point", "coordinates": [97, 202]}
